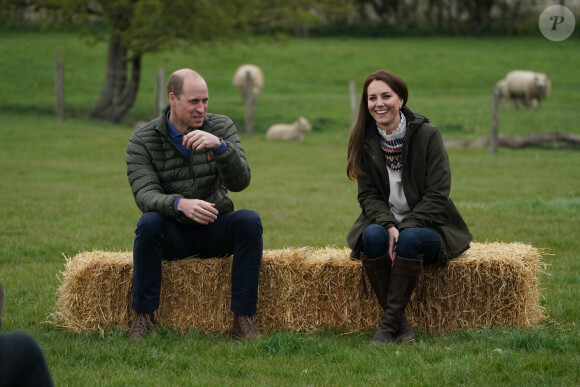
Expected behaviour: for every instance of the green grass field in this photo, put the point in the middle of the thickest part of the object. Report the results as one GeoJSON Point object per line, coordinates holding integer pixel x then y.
{"type": "Point", "coordinates": [64, 190]}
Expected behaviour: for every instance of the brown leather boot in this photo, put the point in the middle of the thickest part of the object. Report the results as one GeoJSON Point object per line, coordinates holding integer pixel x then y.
{"type": "Point", "coordinates": [405, 333]}
{"type": "Point", "coordinates": [379, 272]}
{"type": "Point", "coordinates": [142, 326]}
{"type": "Point", "coordinates": [403, 279]}
{"type": "Point", "coordinates": [244, 328]}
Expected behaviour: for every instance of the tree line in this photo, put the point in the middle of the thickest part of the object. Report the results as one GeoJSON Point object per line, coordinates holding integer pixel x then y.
{"type": "Point", "coordinates": [133, 28]}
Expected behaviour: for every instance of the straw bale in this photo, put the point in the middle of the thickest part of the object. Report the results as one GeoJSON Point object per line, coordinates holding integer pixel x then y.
{"type": "Point", "coordinates": [490, 285]}
{"type": "Point", "coordinates": [306, 289]}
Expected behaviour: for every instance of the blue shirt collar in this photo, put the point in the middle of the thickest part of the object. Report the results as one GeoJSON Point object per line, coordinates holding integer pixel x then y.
{"type": "Point", "coordinates": [171, 131]}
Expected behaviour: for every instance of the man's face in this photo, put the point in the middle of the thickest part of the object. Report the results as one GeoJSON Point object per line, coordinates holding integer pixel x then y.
{"type": "Point", "coordinates": [189, 110]}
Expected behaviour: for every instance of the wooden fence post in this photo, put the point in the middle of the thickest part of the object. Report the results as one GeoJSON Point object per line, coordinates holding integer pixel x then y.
{"type": "Point", "coordinates": [493, 143]}
{"type": "Point", "coordinates": [249, 103]}
{"type": "Point", "coordinates": [159, 92]}
{"type": "Point", "coordinates": [59, 87]}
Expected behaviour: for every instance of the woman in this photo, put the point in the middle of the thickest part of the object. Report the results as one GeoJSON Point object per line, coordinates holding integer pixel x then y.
{"type": "Point", "coordinates": [408, 220]}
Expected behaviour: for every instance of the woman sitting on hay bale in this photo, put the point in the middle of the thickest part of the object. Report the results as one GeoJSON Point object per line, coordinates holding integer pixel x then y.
{"type": "Point", "coordinates": [404, 180]}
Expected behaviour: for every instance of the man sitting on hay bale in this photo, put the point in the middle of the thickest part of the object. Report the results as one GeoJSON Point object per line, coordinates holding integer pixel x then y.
{"type": "Point", "coordinates": [180, 167]}
{"type": "Point", "coordinates": [404, 180]}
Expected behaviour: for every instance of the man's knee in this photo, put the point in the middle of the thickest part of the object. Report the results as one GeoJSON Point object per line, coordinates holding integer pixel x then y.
{"type": "Point", "coordinates": [150, 223]}
{"type": "Point", "coordinates": [250, 220]}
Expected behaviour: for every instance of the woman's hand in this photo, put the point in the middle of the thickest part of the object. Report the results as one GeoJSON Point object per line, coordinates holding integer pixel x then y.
{"type": "Point", "coordinates": [393, 237]}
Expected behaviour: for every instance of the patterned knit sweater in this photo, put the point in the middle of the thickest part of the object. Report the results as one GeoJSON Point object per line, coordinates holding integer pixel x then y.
{"type": "Point", "coordinates": [392, 145]}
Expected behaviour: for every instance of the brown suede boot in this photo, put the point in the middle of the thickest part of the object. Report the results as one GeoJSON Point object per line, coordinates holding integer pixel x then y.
{"type": "Point", "coordinates": [244, 328]}
{"type": "Point", "coordinates": [379, 272]}
{"type": "Point", "coordinates": [405, 333]}
{"type": "Point", "coordinates": [403, 279]}
{"type": "Point", "coordinates": [142, 326]}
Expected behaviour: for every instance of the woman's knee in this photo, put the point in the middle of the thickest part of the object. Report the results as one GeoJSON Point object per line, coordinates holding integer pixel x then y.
{"type": "Point", "coordinates": [375, 241]}
{"type": "Point", "coordinates": [374, 233]}
{"type": "Point", "coordinates": [413, 242]}
{"type": "Point", "coordinates": [407, 245]}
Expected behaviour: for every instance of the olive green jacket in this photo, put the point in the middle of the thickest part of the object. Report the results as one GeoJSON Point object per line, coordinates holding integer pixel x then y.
{"type": "Point", "coordinates": [159, 174]}
{"type": "Point", "coordinates": [426, 179]}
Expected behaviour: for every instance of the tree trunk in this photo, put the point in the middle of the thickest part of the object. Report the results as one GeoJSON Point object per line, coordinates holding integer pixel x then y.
{"type": "Point", "coordinates": [120, 89]}
{"type": "Point", "coordinates": [542, 140]}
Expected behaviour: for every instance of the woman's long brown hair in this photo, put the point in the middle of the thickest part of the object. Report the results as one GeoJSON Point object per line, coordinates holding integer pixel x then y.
{"type": "Point", "coordinates": [357, 134]}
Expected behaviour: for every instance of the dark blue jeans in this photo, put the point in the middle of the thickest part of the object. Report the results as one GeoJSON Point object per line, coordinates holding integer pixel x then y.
{"type": "Point", "coordinates": [412, 242]}
{"type": "Point", "coordinates": [158, 237]}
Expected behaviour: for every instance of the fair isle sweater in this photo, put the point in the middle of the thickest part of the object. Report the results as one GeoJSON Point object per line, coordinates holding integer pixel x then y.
{"type": "Point", "coordinates": [392, 144]}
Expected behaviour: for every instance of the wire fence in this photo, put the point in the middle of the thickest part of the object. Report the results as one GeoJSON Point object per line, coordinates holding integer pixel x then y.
{"type": "Point", "coordinates": [30, 85]}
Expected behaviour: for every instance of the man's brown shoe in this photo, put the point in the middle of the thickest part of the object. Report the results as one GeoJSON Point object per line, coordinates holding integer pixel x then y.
{"type": "Point", "coordinates": [142, 326]}
{"type": "Point", "coordinates": [244, 328]}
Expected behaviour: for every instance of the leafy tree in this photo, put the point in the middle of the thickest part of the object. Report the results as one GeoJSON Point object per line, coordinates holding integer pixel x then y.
{"type": "Point", "coordinates": [472, 17]}
{"type": "Point", "coordinates": [137, 27]}
{"type": "Point", "coordinates": [133, 28]}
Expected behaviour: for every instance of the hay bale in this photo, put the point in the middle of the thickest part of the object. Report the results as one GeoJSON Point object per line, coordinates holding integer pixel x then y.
{"type": "Point", "coordinates": [490, 285]}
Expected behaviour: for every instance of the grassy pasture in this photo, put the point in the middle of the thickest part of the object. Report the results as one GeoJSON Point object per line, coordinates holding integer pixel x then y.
{"type": "Point", "coordinates": [64, 190]}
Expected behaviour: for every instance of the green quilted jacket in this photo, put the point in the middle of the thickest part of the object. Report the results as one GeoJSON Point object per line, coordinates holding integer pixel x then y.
{"type": "Point", "coordinates": [159, 174]}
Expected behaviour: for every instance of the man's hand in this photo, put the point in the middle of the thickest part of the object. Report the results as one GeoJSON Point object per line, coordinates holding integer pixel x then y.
{"type": "Point", "coordinates": [199, 211]}
{"type": "Point", "coordinates": [200, 140]}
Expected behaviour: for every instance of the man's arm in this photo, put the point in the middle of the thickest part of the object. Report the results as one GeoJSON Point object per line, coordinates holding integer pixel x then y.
{"type": "Point", "coordinates": [228, 154]}
{"type": "Point", "coordinates": [232, 164]}
{"type": "Point", "coordinates": [145, 184]}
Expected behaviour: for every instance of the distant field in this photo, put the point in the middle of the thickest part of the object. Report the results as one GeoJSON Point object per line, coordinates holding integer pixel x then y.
{"type": "Point", "coordinates": [64, 190]}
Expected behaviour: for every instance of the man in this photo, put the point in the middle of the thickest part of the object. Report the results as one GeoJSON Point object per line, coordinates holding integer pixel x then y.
{"type": "Point", "coordinates": [180, 167]}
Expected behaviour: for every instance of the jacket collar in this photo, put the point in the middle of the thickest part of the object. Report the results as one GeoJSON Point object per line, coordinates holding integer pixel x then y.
{"type": "Point", "coordinates": [160, 124]}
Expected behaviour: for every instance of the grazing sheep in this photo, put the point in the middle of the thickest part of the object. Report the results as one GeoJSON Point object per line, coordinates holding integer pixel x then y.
{"type": "Point", "coordinates": [240, 79]}
{"type": "Point", "coordinates": [294, 131]}
{"type": "Point", "coordinates": [527, 87]}
{"type": "Point", "coordinates": [501, 89]}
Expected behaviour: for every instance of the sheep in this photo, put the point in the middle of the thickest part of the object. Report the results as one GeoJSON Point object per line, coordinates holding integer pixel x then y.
{"type": "Point", "coordinates": [527, 87]}
{"type": "Point", "coordinates": [294, 131]}
{"type": "Point", "coordinates": [240, 79]}
{"type": "Point", "coordinates": [501, 89]}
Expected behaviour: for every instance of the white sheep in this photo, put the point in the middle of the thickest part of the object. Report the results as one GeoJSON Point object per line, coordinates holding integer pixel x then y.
{"type": "Point", "coordinates": [240, 81]}
{"type": "Point", "coordinates": [524, 86]}
{"type": "Point", "coordinates": [294, 131]}
{"type": "Point", "coordinates": [501, 89]}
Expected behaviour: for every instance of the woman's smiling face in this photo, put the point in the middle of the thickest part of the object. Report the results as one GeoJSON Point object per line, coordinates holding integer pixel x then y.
{"type": "Point", "coordinates": [384, 105]}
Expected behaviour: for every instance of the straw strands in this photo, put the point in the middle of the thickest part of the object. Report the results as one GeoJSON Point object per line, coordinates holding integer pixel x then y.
{"type": "Point", "coordinates": [489, 285]}
{"type": "Point", "coordinates": [306, 289]}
